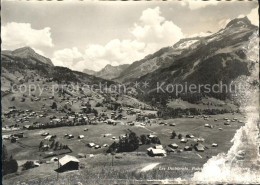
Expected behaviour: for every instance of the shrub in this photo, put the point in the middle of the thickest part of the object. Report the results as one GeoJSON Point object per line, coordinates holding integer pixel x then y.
{"type": "Point", "coordinates": [28, 165]}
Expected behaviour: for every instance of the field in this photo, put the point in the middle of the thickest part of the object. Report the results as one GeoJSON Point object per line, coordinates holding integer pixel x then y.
{"type": "Point", "coordinates": [125, 165]}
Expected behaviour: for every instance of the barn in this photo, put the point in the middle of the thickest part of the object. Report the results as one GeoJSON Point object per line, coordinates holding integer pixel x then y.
{"type": "Point", "coordinates": [200, 148]}
{"type": "Point", "coordinates": [174, 146]}
{"type": "Point", "coordinates": [157, 152]}
{"type": "Point", "coordinates": [68, 163]}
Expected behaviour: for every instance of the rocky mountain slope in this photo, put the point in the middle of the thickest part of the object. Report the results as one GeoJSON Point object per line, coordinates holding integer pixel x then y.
{"type": "Point", "coordinates": [109, 72]}
{"type": "Point", "coordinates": [211, 59]}
{"type": "Point", "coordinates": [89, 72]}
{"type": "Point", "coordinates": [26, 53]}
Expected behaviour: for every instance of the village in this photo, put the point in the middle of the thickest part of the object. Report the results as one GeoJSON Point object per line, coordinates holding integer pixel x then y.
{"type": "Point", "coordinates": [75, 133]}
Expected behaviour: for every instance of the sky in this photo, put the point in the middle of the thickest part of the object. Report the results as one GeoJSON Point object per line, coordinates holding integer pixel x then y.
{"type": "Point", "coordinates": [89, 35]}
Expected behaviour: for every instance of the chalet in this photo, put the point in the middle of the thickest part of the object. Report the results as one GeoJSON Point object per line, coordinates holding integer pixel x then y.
{"type": "Point", "coordinates": [48, 137]}
{"type": "Point", "coordinates": [207, 125]}
{"type": "Point", "coordinates": [45, 134]}
{"type": "Point", "coordinates": [81, 155]}
{"type": "Point", "coordinates": [81, 136]}
{"type": "Point", "coordinates": [105, 145]}
{"type": "Point", "coordinates": [200, 140]}
{"type": "Point", "coordinates": [97, 146]}
{"type": "Point", "coordinates": [158, 147]}
{"type": "Point", "coordinates": [91, 145]}
{"type": "Point", "coordinates": [110, 121]}
{"type": "Point", "coordinates": [199, 148]}
{"type": "Point", "coordinates": [226, 123]}
{"type": "Point", "coordinates": [174, 146]}
{"type": "Point", "coordinates": [68, 163]}
{"type": "Point", "coordinates": [214, 145]}
{"type": "Point", "coordinates": [189, 136]}
{"type": "Point", "coordinates": [151, 136]}
{"type": "Point", "coordinates": [187, 148]}
{"type": "Point", "coordinates": [183, 140]}
{"type": "Point", "coordinates": [27, 126]}
{"type": "Point", "coordinates": [70, 136]}
{"type": "Point", "coordinates": [46, 146]}
{"type": "Point", "coordinates": [156, 152]}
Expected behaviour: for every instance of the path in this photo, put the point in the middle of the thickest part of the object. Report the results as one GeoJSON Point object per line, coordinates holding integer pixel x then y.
{"type": "Point", "coordinates": [149, 167]}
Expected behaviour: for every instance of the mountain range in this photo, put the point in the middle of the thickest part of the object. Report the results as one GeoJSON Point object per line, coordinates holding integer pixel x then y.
{"type": "Point", "coordinates": [26, 53]}
{"type": "Point", "coordinates": [217, 57]}
{"type": "Point", "coordinates": [220, 56]}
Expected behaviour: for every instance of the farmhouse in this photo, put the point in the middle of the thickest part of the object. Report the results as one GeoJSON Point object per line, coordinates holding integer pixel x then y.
{"type": "Point", "coordinates": [158, 147]}
{"type": "Point", "coordinates": [183, 140]}
{"type": "Point", "coordinates": [200, 140]}
{"type": "Point", "coordinates": [68, 163]}
{"type": "Point", "coordinates": [91, 145]}
{"type": "Point", "coordinates": [156, 152]}
{"type": "Point", "coordinates": [81, 155]}
{"type": "Point", "coordinates": [27, 126]}
{"type": "Point", "coordinates": [48, 137]}
{"type": "Point", "coordinates": [189, 136]}
{"type": "Point", "coordinates": [70, 136]}
{"type": "Point", "coordinates": [207, 125]}
{"type": "Point", "coordinates": [174, 146]}
{"type": "Point", "coordinates": [200, 148]}
{"type": "Point", "coordinates": [187, 148]}
{"type": "Point", "coordinates": [81, 136]}
{"type": "Point", "coordinates": [226, 123]}
{"type": "Point", "coordinates": [110, 121]}
{"type": "Point", "coordinates": [45, 134]}
{"type": "Point", "coordinates": [152, 136]}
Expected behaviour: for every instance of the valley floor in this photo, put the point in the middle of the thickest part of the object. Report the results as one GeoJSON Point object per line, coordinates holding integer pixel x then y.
{"type": "Point", "coordinates": [130, 167]}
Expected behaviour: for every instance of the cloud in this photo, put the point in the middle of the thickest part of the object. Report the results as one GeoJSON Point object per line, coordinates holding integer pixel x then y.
{"type": "Point", "coordinates": [153, 28]}
{"type": "Point", "coordinates": [253, 16]}
{"type": "Point", "coordinates": [193, 5]}
{"type": "Point", "coordinates": [67, 57]}
{"type": "Point", "coordinates": [222, 23]}
{"type": "Point", "coordinates": [96, 57]}
{"type": "Point", "coordinates": [15, 35]}
{"type": "Point", "coordinates": [150, 33]}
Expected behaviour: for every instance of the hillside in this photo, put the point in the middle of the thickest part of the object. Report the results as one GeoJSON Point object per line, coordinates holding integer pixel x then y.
{"type": "Point", "coordinates": [42, 83]}
{"type": "Point", "coordinates": [89, 72]}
